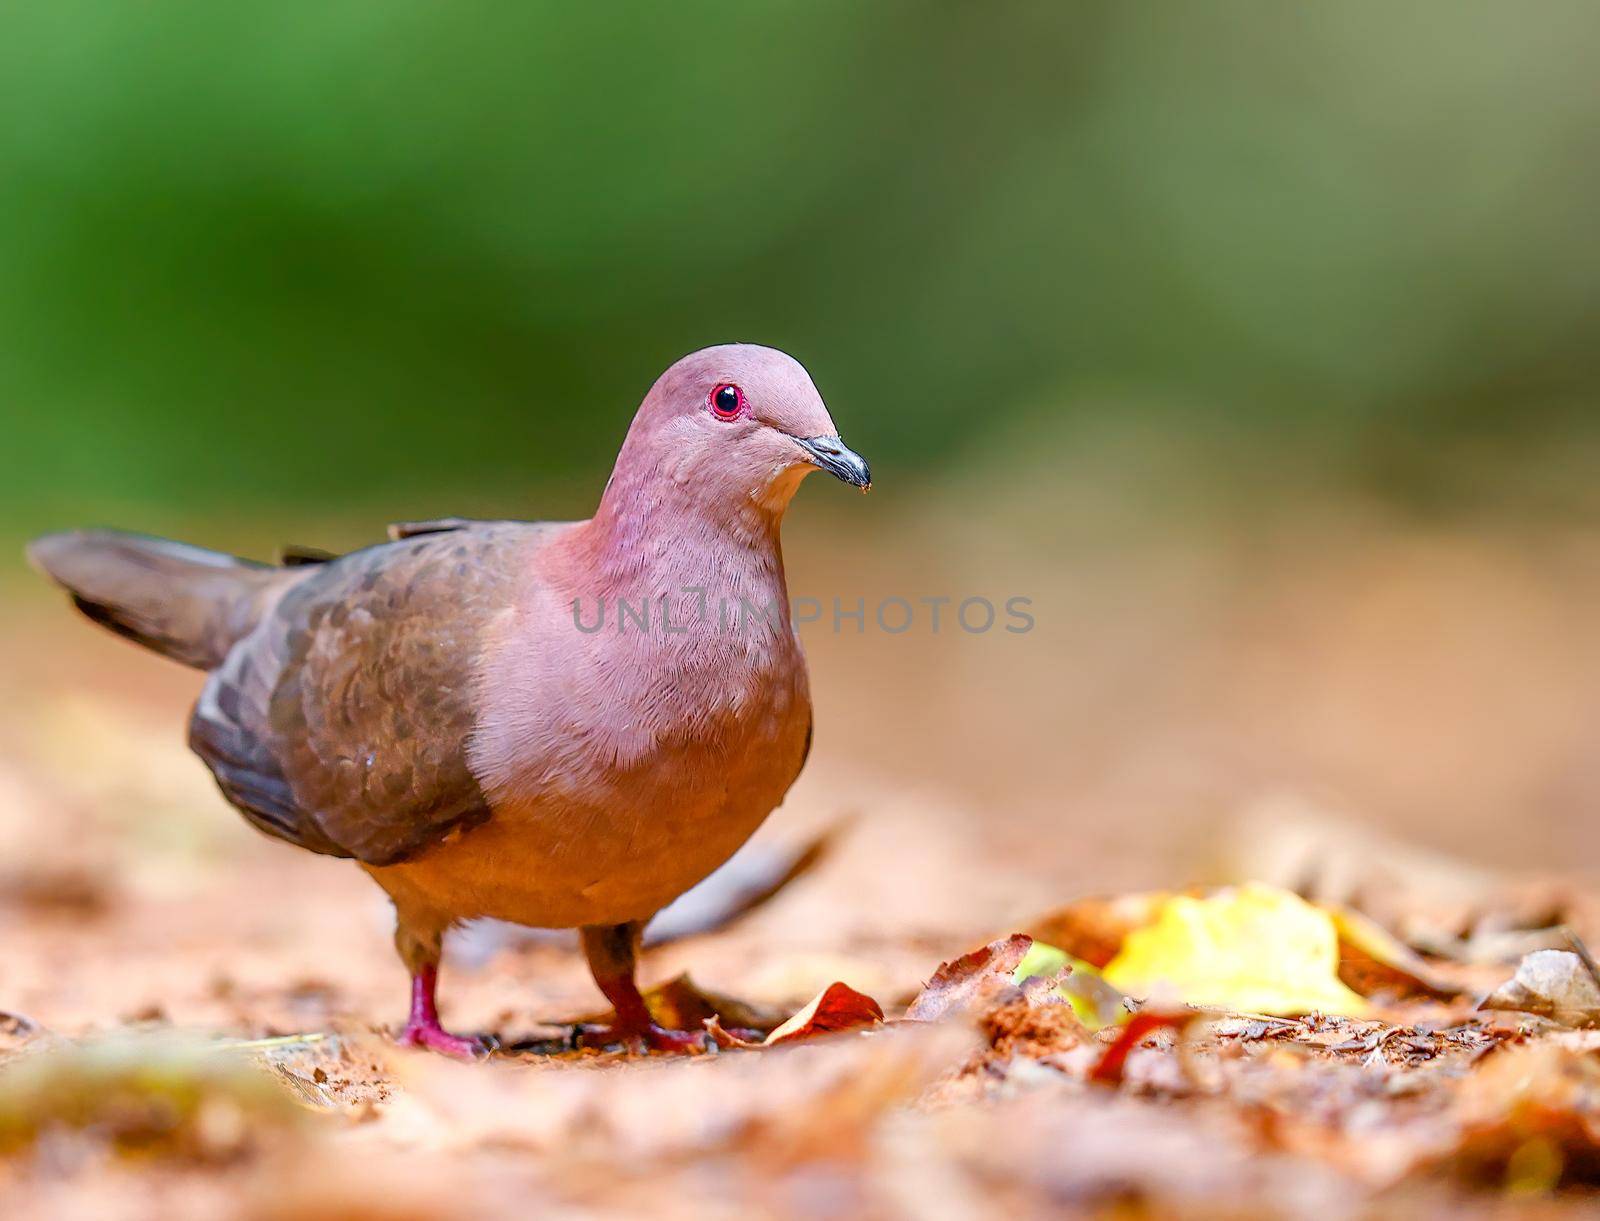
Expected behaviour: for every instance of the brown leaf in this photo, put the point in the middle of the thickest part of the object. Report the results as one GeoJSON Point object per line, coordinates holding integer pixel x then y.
{"type": "Point", "coordinates": [1557, 984]}
{"type": "Point", "coordinates": [1372, 960]}
{"type": "Point", "coordinates": [838, 1007]}
{"type": "Point", "coordinates": [973, 977]}
{"type": "Point", "coordinates": [1094, 928]}
{"type": "Point", "coordinates": [1113, 1061]}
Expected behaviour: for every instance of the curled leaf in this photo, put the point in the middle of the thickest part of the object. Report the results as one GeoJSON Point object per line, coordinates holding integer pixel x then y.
{"type": "Point", "coordinates": [1371, 958]}
{"type": "Point", "coordinates": [1557, 984]}
{"type": "Point", "coordinates": [1108, 1070]}
{"type": "Point", "coordinates": [957, 984]}
{"type": "Point", "coordinates": [838, 1007]}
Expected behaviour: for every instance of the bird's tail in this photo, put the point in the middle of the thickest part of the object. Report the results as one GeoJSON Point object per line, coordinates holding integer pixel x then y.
{"type": "Point", "coordinates": [184, 602]}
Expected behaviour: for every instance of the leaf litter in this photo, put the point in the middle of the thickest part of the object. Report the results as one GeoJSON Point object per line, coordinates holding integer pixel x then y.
{"type": "Point", "coordinates": [1185, 1106]}
{"type": "Point", "coordinates": [1151, 1053]}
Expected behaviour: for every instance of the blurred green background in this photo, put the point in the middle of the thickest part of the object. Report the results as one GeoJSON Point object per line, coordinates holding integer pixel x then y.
{"type": "Point", "coordinates": [418, 256]}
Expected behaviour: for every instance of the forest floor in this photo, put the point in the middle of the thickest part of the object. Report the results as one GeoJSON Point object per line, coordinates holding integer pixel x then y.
{"type": "Point", "coordinates": [143, 928]}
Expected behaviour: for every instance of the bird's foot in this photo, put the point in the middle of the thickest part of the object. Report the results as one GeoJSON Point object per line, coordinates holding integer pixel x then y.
{"type": "Point", "coordinates": [644, 1037]}
{"type": "Point", "coordinates": [434, 1037]}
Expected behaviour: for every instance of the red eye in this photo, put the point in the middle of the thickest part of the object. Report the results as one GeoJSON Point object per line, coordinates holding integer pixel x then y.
{"type": "Point", "coordinates": [727, 401]}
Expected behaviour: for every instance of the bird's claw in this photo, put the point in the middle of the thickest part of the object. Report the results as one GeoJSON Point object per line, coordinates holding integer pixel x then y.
{"type": "Point", "coordinates": [642, 1039]}
{"type": "Point", "coordinates": [437, 1039]}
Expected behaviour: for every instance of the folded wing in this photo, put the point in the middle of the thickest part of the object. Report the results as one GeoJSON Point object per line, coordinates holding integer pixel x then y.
{"type": "Point", "coordinates": [342, 722]}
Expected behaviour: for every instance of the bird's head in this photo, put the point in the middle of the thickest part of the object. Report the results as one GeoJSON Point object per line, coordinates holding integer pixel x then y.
{"type": "Point", "coordinates": [737, 423]}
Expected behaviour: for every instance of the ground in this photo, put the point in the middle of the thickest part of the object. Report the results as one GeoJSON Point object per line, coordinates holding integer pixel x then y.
{"type": "Point", "coordinates": [961, 797]}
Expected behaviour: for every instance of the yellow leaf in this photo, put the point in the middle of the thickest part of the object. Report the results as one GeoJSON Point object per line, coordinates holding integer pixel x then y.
{"type": "Point", "coordinates": [1251, 948]}
{"type": "Point", "coordinates": [1095, 1002]}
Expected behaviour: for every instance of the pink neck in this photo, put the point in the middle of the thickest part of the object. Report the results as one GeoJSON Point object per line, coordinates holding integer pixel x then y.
{"type": "Point", "coordinates": [652, 525]}
{"type": "Point", "coordinates": [651, 531]}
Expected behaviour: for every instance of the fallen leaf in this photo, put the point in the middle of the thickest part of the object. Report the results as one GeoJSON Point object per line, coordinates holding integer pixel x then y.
{"type": "Point", "coordinates": [1092, 932]}
{"type": "Point", "coordinates": [838, 1007]}
{"type": "Point", "coordinates": [1095, 1002]}
{"type": "Point", "coordinates": [1556, 984]}
{"type": "Point", "coordinates": [1093, 929]}
{"type": "Point", "coordinates": [1372, 959]}
{"type": "Point", "coordinates": [1250, 1029]}
{"type": "Point", "coordinates": [960, 983]}
{"type": "Point", "coordinates": [1250, 948]}
{"type": "Point", "coordinates": [819, 1094]}
{"type": "Point", "coordinates": [1113, 1061]}
{"type": "Point", "coordinates": [840, 1116]}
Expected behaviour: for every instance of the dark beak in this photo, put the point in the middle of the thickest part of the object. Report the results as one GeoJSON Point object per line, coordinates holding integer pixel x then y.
{"type": "Point", "coordinates": [838, 459]}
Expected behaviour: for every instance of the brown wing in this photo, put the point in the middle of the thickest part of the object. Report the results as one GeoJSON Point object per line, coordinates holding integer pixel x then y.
{"type": "Point", "coordinates": [341, 724]}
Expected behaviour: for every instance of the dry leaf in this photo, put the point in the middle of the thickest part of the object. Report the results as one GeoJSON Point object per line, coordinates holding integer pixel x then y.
{"type": "Point", "coordinates": [1556, 984]}
{"type": "Point", "coordinates": [850, 1091]}
{"type": "Point", "coordinates": [838, 1007]}
{"type": "Point", "coordinates": [1093, 929]}
{"type": "Point", "coordinates": [1113, 1061]}
{"type": "Point", "coordinates": [958, 984]}
{"type": "Point", "coordinates": [1372, 959]}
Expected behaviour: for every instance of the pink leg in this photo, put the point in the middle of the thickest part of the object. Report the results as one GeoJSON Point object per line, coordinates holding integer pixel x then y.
{"type": "Point", "coordinates": [611, 951]}
{"type": "Point", "coordinates": [423, 1029]}
{"type": "Point", "coordinates": [633, 1027]}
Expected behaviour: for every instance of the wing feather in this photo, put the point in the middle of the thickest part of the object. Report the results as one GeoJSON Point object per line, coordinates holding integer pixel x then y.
{"type": "Point", "coordinates": [342, 723]}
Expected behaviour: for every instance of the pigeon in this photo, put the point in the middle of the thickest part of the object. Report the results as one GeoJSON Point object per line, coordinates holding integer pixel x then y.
{"type": "Point", "coordinates": [556, 724]}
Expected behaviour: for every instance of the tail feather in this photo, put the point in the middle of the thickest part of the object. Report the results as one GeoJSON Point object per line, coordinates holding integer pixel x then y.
{"type": "Point", "coordinates": [184, 602]}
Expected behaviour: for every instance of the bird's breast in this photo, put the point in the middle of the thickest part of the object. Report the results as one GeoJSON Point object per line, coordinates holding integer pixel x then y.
{"type": "Point", "coordinates": [623, 767]}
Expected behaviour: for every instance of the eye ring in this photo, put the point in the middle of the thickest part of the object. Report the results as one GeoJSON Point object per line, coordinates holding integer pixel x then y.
{"type": "Point", "coordinates": [726, 401]}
